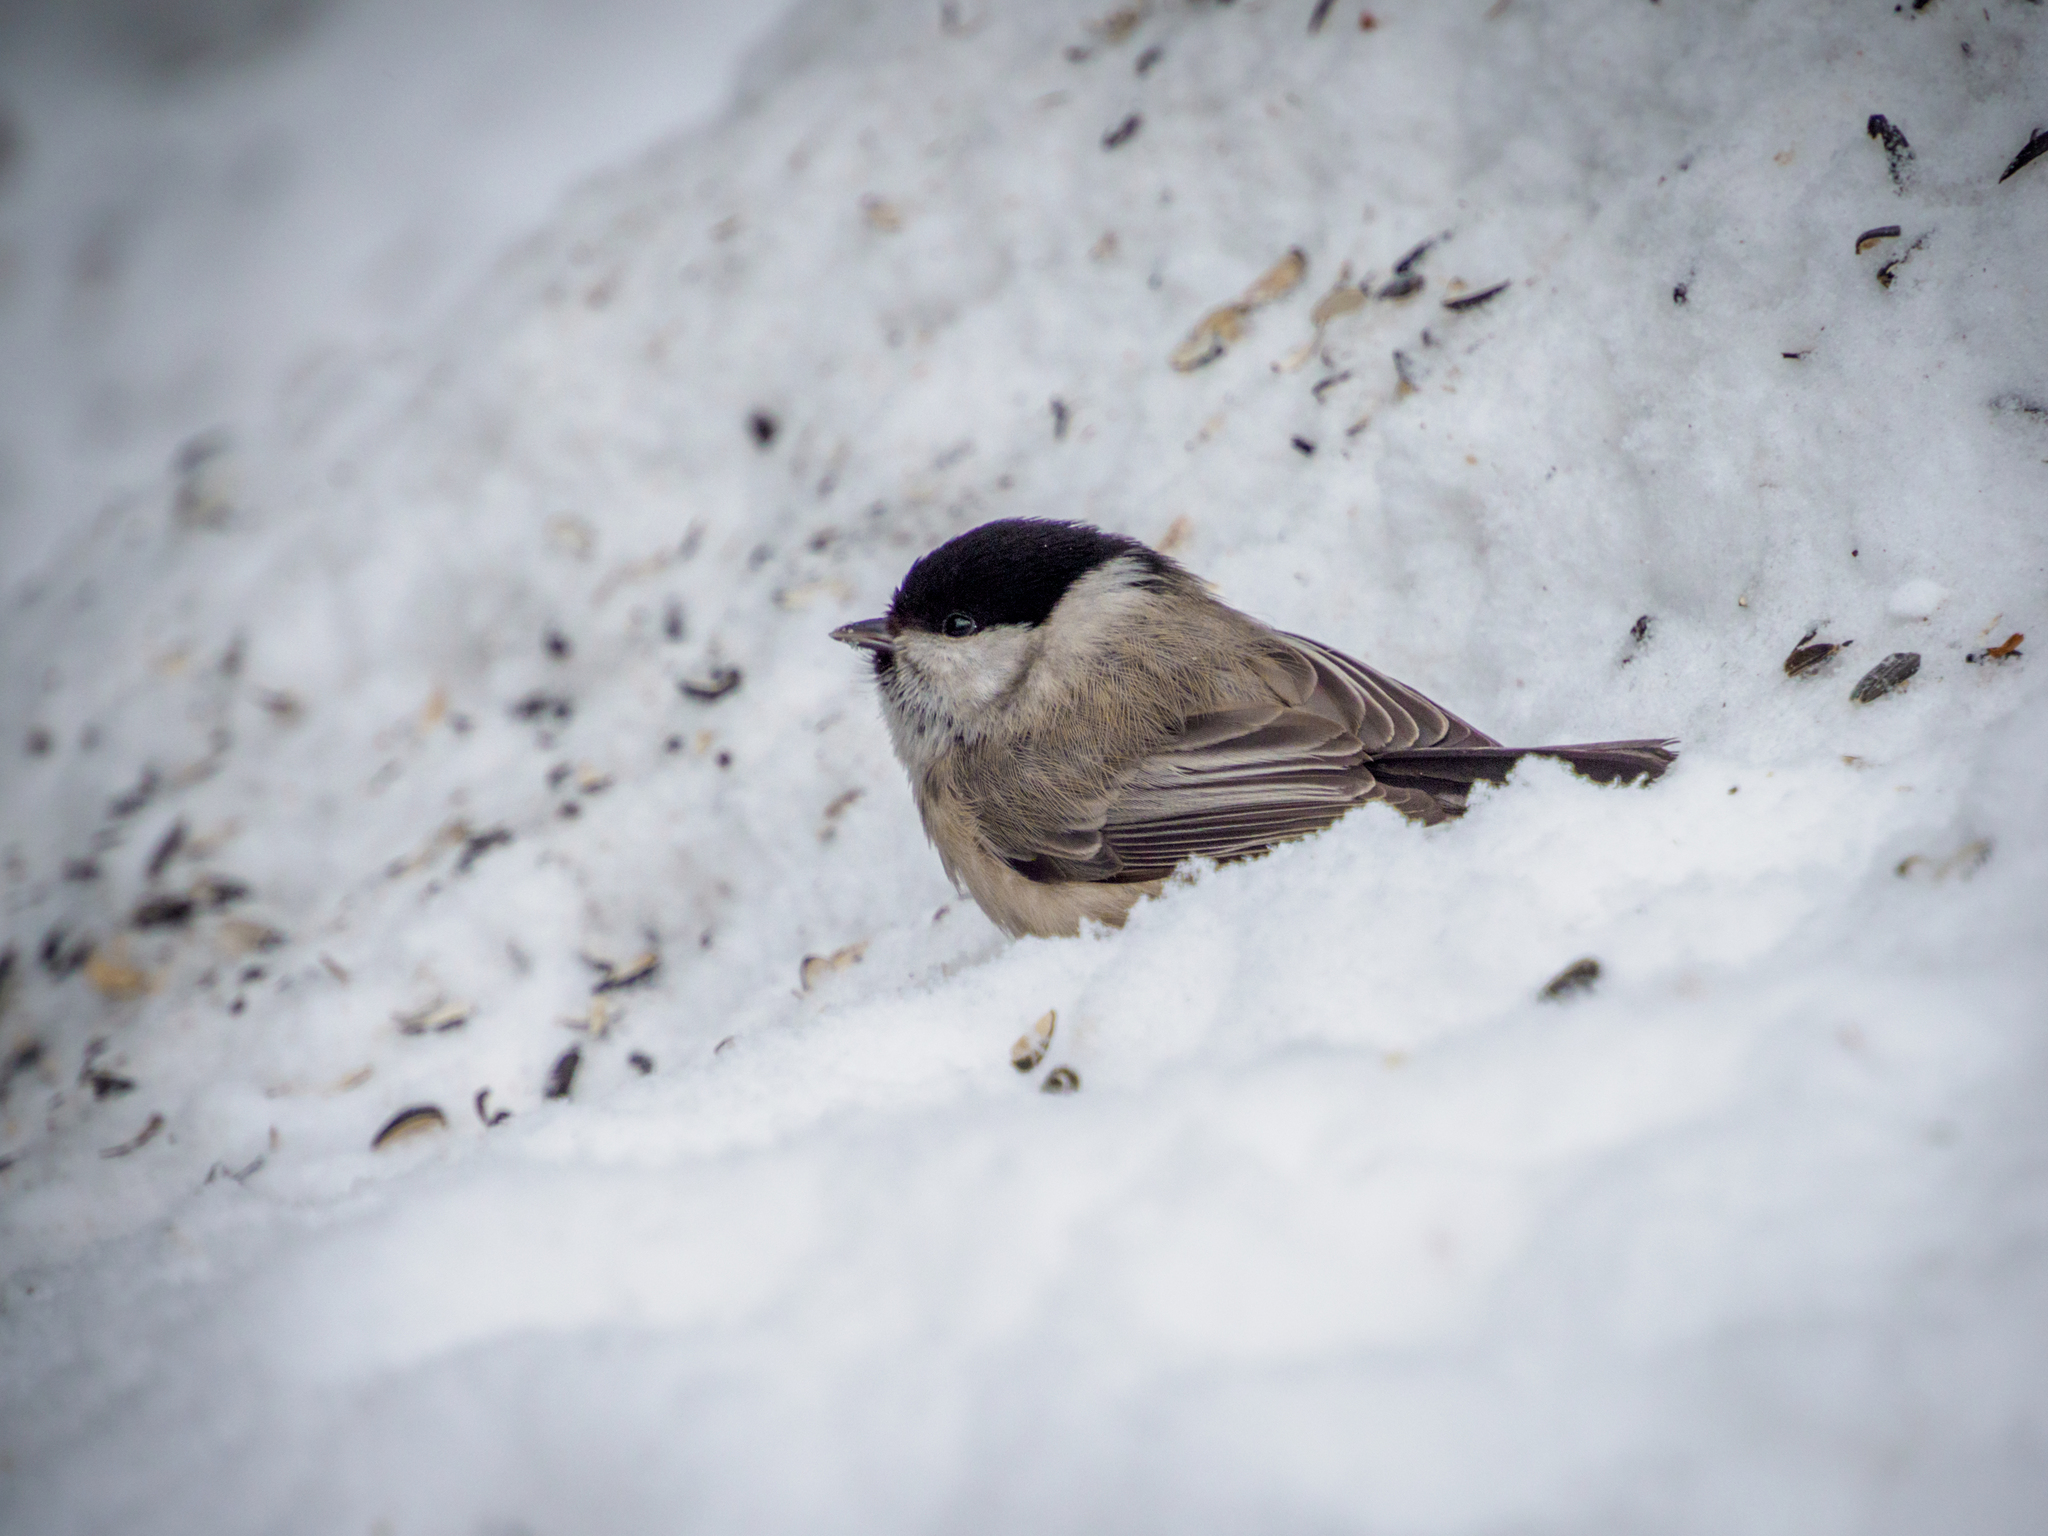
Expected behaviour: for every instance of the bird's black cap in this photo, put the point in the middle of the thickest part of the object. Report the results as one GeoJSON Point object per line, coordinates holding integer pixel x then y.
{"type": "Point", "coordinates": [1010, 572]}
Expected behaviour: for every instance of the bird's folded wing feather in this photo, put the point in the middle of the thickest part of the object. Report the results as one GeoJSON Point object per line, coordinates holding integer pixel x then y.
{"type": "Point", "coordinates": [1238, 780]}
{"type": "Point", "coordinates": [1397, 717]}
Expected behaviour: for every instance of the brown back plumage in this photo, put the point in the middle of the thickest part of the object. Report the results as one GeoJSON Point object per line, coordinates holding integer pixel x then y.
{"type": "Point", "coordinates": [1240, 774]}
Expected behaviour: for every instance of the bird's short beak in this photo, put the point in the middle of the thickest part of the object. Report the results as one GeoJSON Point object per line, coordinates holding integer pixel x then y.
{"type": "Point", "coordinates": [869, 635]}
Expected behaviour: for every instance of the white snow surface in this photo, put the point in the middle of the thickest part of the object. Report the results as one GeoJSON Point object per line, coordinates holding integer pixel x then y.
{"type": "Point", "coordinates": [1346, 1228]}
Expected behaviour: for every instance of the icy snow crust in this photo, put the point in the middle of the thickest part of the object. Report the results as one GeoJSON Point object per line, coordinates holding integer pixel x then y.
{"type": "Point", "coordinates": [1345, 1229]}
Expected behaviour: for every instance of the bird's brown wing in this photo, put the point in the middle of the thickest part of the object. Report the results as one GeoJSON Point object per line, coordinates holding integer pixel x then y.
{"type": "Point", "coordinates": [1236, 781]}
{"type": "Point", "coordinates": [1395, 717]}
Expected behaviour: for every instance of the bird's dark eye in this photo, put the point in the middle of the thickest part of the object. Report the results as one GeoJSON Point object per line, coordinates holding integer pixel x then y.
{"type": "Point", "coordinates": [958, 624]}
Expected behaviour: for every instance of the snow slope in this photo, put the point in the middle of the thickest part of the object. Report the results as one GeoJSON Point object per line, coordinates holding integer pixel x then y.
{"type": "Point", "coordinates": [1347, 1227]}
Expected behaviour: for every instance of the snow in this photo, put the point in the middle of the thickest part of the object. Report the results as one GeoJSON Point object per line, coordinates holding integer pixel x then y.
{"type": "Point", "coordinates": [1347, 1226]}
{"type": "Point", "coordinates": [1916, 599]}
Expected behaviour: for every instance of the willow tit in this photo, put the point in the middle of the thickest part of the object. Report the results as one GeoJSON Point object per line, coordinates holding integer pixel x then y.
{"type": "Point", "coordinates": [1078, 716]}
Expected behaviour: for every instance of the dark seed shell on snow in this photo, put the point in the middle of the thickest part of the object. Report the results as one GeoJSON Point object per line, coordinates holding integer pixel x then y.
{"type": "Point", "coordinates": [1885, 676]}
{"type": "Point", "coordinates": [1575, 978]}
{"type": "Point", "coordinates": [407, 1123]}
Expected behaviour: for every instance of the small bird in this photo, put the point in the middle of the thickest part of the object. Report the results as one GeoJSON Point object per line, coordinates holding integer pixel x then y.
{"type": "Point", "coordinates": [1078, 716]}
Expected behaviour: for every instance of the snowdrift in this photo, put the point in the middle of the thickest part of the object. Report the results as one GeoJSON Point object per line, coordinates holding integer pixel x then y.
{"type": "Point", "coordinates": [467, 736]}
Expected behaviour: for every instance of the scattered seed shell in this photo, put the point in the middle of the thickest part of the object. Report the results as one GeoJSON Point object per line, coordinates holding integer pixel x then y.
{"type": "Point", "coordinates": [1278, 280]}
{"type": "Point", "coordinates": [480, 844]}
{"type": "Point", "coordinates": [130, 801]}
{"type": "Point", "coordinates": [1888, 674]}
{"type": "Point", "coordinates": [1407, 263]}
{"type": "Point", "coordinates": [1299, 355]}
{"type": "Point", "coordinates": [1809, 657]}
{"type": "Point", "coordinates": [596, 1020]}
{"type": "Point", "coordinates": [1210, 338]}
{"type": "Point", "coordinates": [816, 968]}
{"type": "Point", "coordinates": [1061, 1080]}
{"type": "Point", "coordinates": [612, 975]}
{"type": "Point", "coordinates": [543, 707]}
{"type": "Point", "coordinates": [24, 1058]}
{"type": "Point", "coordinates": [282, 705]}
{"type": "Point", "coordinates": [571, 535]}
{"type": "Point", "coordinates": [109, 1085]}
{"type": "Point", "coordinates": [2034, 149]}
{"type": "Point", "coordinates": [1888, 273]}
{"type": "Point", "coordinates": [709, 690]}
{"type": "Point", "coordinates": [407, 1123]}
{"type": "Point", "coordinates": [2005, 650]}
{"type": "Point", "coordinates": [1215, 331]}
{"type": "Point", "coordinates": [139, 1140]}
{"type": "Point", "coordinates": [1340, 300]}
{"type": "Point", "coordinates": [213, 892]}
{"type": "Point", "coordinates": [1118, 24]}
{"type": "Point", "coordinates": [240, 1175]}
{"type": "Point", "coordinates": [1574, 979]}
{"type": "Point", "coordinates": [61, 954]}
{"type": "Point", "coordinates": [1032, 1045]}
{"type": "Point", "coordinates": [562, 1075]}
{"type": "Point", "coordinates": [435, 1019]}
{"type": "Point", "coordinates": [163, 912]}
{"type": "Point", "coordinates": [167, 848]}
{"type": "Point", "coordinates": [1897, 152]}
{"type": "Point", "coordinates": [239, 936]}
{"type": "Point", "coordinates": [1473, 300]}
{"type": "Point", "coordinates": [1961, 864]}
{"type": "Point", "coordinates": [113, 975]}
{"type": "Point", "coordinates": [1871, 237]}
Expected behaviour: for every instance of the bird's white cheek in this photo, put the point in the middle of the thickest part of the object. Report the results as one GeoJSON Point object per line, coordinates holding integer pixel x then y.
{"type": "Point", "coordinates": [969, 675]}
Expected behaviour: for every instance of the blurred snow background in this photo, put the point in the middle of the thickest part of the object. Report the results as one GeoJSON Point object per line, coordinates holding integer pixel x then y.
{"type": "Point", "coordinates": [384, 532]}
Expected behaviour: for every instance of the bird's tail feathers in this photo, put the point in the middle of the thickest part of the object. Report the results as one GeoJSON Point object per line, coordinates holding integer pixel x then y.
{"type": "Point", "coordinates": [1450, 770]}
